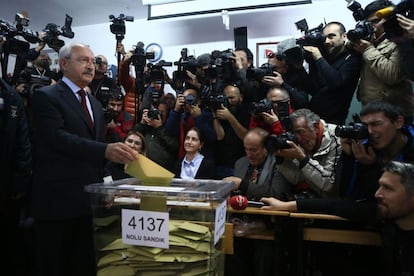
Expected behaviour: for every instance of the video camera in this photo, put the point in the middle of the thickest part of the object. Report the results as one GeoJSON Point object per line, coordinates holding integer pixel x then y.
{"type": "Point", "coordinates": [8, 30]}
{"type": "Point", "coordinates": [52, 32]}
{"type": "Point", "coordinates": [221, 66]}
{"type": "Point", "coordinates": [391, 25]}
{"type": "Point", "coordinates": [139, 57]}
{"type": "Point", "coordinates": [276, 142]}
{"type": "Point", "coordinates": [32, 82]}
{"type": "Point", "coordinates": [363, 29]}
{"type": "Point", "coordinates": [157, 70]}
{"type": "Point", "coordinates": [184, 64]}
{"type": "Point", "coordinates": [312, 37]}
{"type": "Point", "coordinates": [355, 130]}
{"type": "Point", "coordinates": [265, 69]}
{"type": "Point", "coordinates": [118, 25]}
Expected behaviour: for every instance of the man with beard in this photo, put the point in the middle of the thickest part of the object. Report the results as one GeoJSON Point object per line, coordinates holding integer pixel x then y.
{"type": "Point", "coordinates": [101, 83]}
{"type": "Point", "coordinates": [334, 73]}
{"type": "Point", "coordinates": [118, 122]}
{"type": "Point", "coordinates": [392, 213]}
{"type": "Point", "coordinates": [230, 123]}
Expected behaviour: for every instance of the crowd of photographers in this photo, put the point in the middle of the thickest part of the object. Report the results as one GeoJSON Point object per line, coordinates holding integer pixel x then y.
{"type": "Point", "coordinates": [257, 125]}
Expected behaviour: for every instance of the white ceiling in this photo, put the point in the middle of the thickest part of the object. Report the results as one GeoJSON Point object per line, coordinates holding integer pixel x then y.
{"type": "Point", "coordinates": [83, 12]}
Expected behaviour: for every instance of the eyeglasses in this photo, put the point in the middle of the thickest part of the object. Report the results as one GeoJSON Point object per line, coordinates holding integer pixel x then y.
{"type": "Point", "coordinates": [85, 60]}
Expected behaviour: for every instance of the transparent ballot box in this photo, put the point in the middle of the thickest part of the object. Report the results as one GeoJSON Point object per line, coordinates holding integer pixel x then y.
{"type": "Point", "coordinates": [160, 230]}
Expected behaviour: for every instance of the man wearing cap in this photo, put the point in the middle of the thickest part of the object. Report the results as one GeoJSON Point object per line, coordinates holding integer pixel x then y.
{"type": "Point", "coordinates": [334, 72]}
{"type": "Point", "coordinates": [289, 73]}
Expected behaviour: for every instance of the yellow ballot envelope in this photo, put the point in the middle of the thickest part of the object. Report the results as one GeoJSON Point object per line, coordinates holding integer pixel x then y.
{"type": "Point", "coordinates": [149, 172]}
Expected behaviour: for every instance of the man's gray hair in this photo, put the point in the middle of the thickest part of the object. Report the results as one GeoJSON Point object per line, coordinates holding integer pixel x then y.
{"type": "Point", "coordinates": [311, 117]}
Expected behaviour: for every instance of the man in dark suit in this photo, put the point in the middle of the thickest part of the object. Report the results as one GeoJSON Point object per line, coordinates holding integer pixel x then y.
{"type": "Point", "coordinates": [69, 154]}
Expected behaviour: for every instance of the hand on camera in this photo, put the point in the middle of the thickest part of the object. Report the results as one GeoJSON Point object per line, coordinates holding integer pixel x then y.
{"type": "Point", "coordinates": [360, 45]}
{"type": "Point", "coordinates": [154, 122]}
{"type": "Point", "coordinates": [179, 103]}
{"type": "Point", "coordinates": [275, 80]}
{"type": "Point", "coordinates": [314, 51]}
{"type": "Point", "coordinates": [365, 155]}
{"type": "Point", "coordinates": [269, 118]}
{"type": "Point", "coordinates": [294, 152]}
{"type": "Point", "coordinates": [223, 113]}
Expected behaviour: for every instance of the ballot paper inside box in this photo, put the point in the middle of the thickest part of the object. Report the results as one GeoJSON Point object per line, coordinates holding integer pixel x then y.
{"type": "Point", "coordinates": [159, 230]}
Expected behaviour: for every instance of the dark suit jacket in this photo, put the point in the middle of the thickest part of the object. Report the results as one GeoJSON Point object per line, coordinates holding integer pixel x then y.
{"type": "Point", "coordinates": [207, 169]}
{"type": "Point", "coordinates": [68, 153]}
{"type": "Point", "coordinates": [270, 182]}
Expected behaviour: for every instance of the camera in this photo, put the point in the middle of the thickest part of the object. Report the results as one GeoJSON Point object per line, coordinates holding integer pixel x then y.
{"type": "Point", "coordinates": [352, 131]}
{"type": "Point", "coordinates": [258, 73]}
{"type": "Point", "coordinates": [154, 114]}
{"type": "Point", "coordinates": [184, 64]}
{"type": "Point", "coordinates": [118, 25]}
{"type": "Point", "coordinates": [363, 30]}
{"type": "Point", "coordinates": [312, 37]}
{"type": "Point", "coordinates": [357, 10]}
{"type": "Point", "coordinates": [139, 57]}
{"type": "Point", "coordinates": [32, 82]}
{"type": "Point", "coordinates": [15, 46]}
{"type": "Point", "coordinates": [276, 142]}
{"type": "Point", "coordinates": [223, 65]}
{"type": "Point", "coordinates": [52, 33]}
{"type": "Point", "coordinates": [264, 105]}
{"type": "Point", "coordinates": [157, 70]}
{"type": "Point", "coordinates": [190, 99]}
{"type": "Point", "coordinates": [109, 115]}
{"type": "Point", "coordinates": [391, 26]}
{"type": "Point", "coordinates": [215, 102]}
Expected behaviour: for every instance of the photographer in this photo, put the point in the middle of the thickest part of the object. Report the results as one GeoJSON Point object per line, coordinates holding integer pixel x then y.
{"type": "Point", "coordinates": [363, 159]}
{"type": "Point", "coordinates": [406, 45]}
{"type": "Point", "coordinates": [382, 75]}
{"type": "Point", "coordinates": [289, 73]}
{"type": "Point", "coordinates": [243, 60]}
{"type": "Point", "coordinates": [270, 112]}
{"type": "Point", "coordinates": [334, 75]}
{"type": "Point", "coordinates": [32, 78]}
{"type": "Point", "coordinates": [186, 114]}
{"type": "Point", "coordinates": [310, 163]}
{"type": "Point", "coordinates": [101, 83]}
{"type": "Point", "coordinates": [118, 122]}
{"type": "Point", "coordinates": [161, 146]}
{"type": "Point", "coordinates": [231, 121]}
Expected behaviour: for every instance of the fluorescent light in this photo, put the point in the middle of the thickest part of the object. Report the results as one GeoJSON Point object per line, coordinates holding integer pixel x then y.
{"type": "Point", "coordinates": [161, 2]}
{"type": "Point", "coordinates": [198, 7]}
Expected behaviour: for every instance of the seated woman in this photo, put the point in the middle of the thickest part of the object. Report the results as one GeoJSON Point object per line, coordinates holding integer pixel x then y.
{"type": "Point", "coordinates": [194, 165]}
{"type": "Point", "coordinates": [136, 141]}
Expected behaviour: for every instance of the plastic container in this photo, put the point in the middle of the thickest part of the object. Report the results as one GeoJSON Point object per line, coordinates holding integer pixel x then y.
{"type": "Point", "coordinates": [133, 238]}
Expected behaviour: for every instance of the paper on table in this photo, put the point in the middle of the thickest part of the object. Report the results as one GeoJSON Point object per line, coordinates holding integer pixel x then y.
{"type": "Point", "coordinates": [149, 172]}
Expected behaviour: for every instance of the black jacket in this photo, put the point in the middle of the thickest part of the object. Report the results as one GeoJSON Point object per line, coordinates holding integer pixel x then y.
{"type": "Point", "coordinates": [15, 146]}
{"type": "Point", "coordinates": [398, 245]}
{"type": "Point", "coordinates": [334, 83]}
